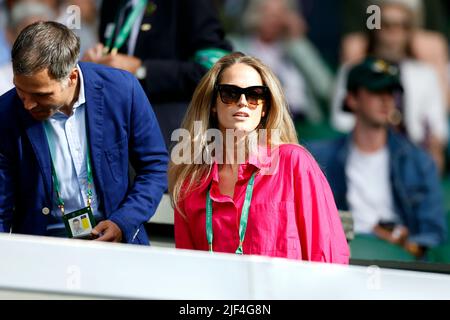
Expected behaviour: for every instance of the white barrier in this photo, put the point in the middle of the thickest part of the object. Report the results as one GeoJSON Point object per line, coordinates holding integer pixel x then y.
{"type": "Point", "coordinates": [49, 267]}
{"type": "Point", "coordinates": [164, 212]}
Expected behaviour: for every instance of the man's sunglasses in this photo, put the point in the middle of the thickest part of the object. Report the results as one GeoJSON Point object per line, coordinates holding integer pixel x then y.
{"type": "Point", "coordinates": [391, 23]}
{"type": "Point", "coordinates": [231, 94]}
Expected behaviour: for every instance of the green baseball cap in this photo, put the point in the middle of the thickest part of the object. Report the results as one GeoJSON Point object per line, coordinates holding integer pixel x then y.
{"type": "Point", "coordinates": [374, 75]}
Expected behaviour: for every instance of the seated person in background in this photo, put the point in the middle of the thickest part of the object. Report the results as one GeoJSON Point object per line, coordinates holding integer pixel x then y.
{"type": "Point", "coordinates": [389, 185]}
{"type": "Point", "coordinates": [276, 34]}
{"type": "Point", "coordinates": [422, 105]}
{"type": "Point", "coordinates": [21, 14]}
{"type": "Point", "coordinates": [426, 45]}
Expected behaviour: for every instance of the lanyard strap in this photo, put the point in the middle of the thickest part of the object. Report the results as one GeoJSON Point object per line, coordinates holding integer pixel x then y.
{"type": "Point", "coordinates": [126, 28]}
{"type": "Point", "coordinates": [90, 179]}
{"type": "Point", "coordinates": [242, 223]}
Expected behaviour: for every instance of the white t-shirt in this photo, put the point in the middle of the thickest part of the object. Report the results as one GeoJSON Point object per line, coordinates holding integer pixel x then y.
{"type": "Point", "coordinates": [369, 192]}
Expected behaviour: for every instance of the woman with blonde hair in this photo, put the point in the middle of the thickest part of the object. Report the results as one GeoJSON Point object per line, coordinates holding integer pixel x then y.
{"type": "Point", "coordinates": [275, 201]}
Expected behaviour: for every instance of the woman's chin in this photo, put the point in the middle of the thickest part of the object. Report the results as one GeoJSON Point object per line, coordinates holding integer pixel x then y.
{"type": "Point", "coordinates": [243, 128]}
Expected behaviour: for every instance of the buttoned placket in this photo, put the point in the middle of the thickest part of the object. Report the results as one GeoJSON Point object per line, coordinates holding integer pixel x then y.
{"type": "Point", "coordinates": [226, 202]}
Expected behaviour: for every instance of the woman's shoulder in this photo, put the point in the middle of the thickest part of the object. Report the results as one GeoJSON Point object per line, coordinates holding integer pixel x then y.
{"type": "Point", "coordinates": [293, 149]}
{"type": "Point", "coordinates": [295, 153]}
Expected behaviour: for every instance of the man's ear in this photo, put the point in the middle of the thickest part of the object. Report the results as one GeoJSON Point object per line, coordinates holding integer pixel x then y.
{"type": "Point", "coordinates": [350, 101]}
{"type": "Point", "coordinates": [73, 76]}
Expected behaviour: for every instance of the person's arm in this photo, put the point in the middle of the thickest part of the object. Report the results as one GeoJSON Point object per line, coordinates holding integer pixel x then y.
{"type": "Point", "coordinates": [353, 48]}
{"type": "Point", "coordinates": [430, 213]}
{"type": "Point", "coordinates": [149, 158]}
{"type": "Point", "coordinates": [321, 232]}
{"type": "Point", "coordinates": [6, 194]}
{"type": "Point", "coordinates": [431, 47]}
{"type": "Point", "coordinates": [313, 67]}
{"type": "Point", "coordinates": [436, 115]}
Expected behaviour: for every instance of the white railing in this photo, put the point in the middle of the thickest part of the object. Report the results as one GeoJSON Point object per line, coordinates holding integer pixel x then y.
{"type": "Point", "coordinates": [76, 268]}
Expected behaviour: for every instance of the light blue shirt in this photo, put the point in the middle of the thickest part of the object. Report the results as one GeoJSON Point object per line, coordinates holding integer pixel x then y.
{"type": "Point", "coordinates": [5, 50]}
{"type": "Point", "coordinates": [69, 155]}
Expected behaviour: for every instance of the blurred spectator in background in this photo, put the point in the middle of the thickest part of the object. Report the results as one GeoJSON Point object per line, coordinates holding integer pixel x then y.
{"type": "Point", "coordinates": [21, 14]}
{"type": "Point", "coordinates": [4, 46]}
{"type": "Point", "coordinates": [390, 186]}
{"type": "Point", "coordinates": [323, 18]}
{"type": "Point", "coordinates": [421, 109]}
{"type": "Point", "coordinates": [427, 45]}
{"type": "Point", "coordinates": [276, 35]}
{"type": "Point", "coordinates": [88, 29]}
{"type": "Point", "coordinates": [231, 13]}
{"type": "Point", "coordinates": [169, 46]}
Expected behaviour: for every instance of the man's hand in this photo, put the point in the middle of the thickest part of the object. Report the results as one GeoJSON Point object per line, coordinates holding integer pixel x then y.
{"type": "Point", "coordinates": [118, 60]}
{"type": "Point", "coordinates": [414, 249]}
{"type": "Point", "coordinates": [397, 236]}
{"type": "Point", "coordinates": [121, 61]}
{"type": "Point", "coordinates": [107, 231]}
{"type": "Point", "coordinates": [94, 54]}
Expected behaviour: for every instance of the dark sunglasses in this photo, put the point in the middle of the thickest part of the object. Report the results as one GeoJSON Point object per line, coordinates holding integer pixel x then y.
{"type": "Point", "coordinates": [231, 94]}
{"type": "Point", "coordinates": [391, 23]}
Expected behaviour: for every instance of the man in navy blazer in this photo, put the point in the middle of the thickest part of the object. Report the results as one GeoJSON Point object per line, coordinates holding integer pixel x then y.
{"type": "Point", "coordinates": [53, 92]}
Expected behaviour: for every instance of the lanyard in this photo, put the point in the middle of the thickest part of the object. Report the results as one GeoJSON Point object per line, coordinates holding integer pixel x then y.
{"type": "Point", "coordinates": [126, 29]}
{"type": "Point", "coordinates": [56, 184]}
{"type": "Point", "coordinates": [242, 223]}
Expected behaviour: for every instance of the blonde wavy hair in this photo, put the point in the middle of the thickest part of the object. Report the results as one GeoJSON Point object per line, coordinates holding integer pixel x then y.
{"type": "Point", "coordinates": [184, 178]}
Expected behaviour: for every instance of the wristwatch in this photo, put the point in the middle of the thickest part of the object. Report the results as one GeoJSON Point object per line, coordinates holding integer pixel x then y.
{"type": "Point", "coordinates": [141, 72]}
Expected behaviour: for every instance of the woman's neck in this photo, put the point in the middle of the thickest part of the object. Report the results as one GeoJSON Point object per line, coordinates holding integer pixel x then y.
{"type": "Point", "coordinates": [235, 149]}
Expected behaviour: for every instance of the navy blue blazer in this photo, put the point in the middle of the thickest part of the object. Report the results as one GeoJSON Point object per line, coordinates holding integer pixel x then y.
{"type": "Point", "coordinates": [121, 127]}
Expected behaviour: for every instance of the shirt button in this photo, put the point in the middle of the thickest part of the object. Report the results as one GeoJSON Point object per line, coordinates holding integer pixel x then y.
{"type": "Point", "coordinates": [45, 210]}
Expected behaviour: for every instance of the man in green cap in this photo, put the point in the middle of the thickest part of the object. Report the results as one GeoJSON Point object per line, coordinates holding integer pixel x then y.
{"type": "Point", "coordinates": [390, 186]}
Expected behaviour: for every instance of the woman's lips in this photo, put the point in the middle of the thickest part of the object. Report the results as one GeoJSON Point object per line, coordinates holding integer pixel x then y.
{"type": "Point", "coordinates": [241, 114]}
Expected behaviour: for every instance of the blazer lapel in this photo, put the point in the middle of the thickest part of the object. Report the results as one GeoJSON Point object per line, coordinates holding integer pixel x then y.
{"type": "Point", "coordinates": [94, 118]}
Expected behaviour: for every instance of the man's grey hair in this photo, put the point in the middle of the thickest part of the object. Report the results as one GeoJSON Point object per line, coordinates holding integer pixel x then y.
{"type": "Point", "coordinates": [45, 45]}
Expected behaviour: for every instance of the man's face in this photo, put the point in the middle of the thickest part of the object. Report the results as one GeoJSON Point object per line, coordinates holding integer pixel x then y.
{"type": "Point", "coordinates": [76, 225]}
{"type": "Point", "coordinates": [273, 13]}
{"type": "Point", "coordinates": [372, 108]}
{"type": "Point", "coordinates": [395, 32]}
{"type": "Point", "coordinates": [42, 95]}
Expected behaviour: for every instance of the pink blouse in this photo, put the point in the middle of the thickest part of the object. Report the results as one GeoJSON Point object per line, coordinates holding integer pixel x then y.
{"type": "Point", "coordinates": [292, 212]}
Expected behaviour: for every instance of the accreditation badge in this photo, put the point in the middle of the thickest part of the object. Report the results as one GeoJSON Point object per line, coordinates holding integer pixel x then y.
{"type": "Point", "coordinates": [80, 223]}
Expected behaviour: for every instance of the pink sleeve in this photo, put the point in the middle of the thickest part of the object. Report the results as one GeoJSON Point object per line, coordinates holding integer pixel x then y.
{"type": "Point", "coordinates": [321, 232]}
{"type": "Point", "coordinates": [183, 238]}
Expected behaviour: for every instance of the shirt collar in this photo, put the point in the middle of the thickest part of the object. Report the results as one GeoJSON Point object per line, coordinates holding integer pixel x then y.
{"type": "Point", "coordinates": [81, 95]}
{"type": "Point", "coordinates": [79, 102]}
{"type": "Point", "coordinates": [260, 160]}
{"type": "Point", "coordinates": [263, 157]}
